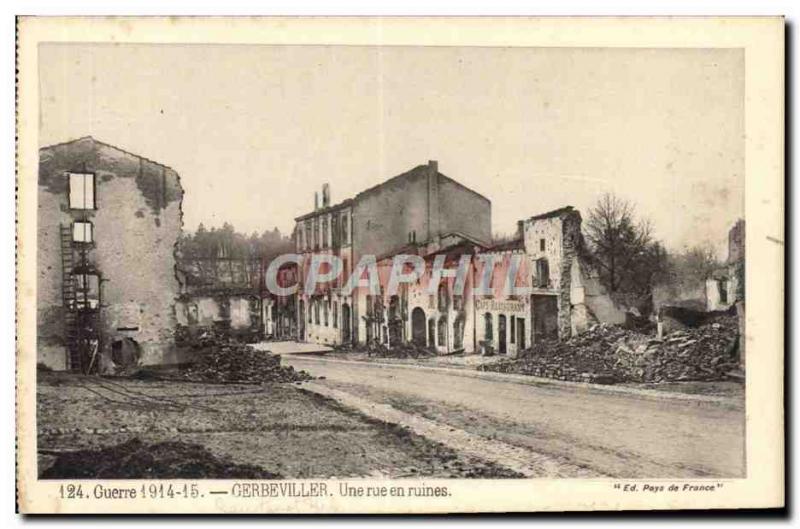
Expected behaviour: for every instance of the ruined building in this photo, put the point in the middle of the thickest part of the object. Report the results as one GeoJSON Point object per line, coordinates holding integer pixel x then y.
{"type": "Point", "coordinates": [224, 293]}
{"type": "Point", "coordinates": [108, 222]}
{"type": "Point", "coordinates": [565, 296]}
{"type": "Point", "coordinates": [424, 213]}
{"type": "Point", "coordinates": [421, 207]}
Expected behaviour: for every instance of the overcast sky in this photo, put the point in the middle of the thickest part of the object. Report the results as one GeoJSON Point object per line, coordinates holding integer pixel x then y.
{"type": "Point", "coordinates": [255, 130]}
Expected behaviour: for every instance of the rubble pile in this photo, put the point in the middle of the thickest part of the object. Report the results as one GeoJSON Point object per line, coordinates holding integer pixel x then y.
{"type": "Point", "coordinates": [608, 354]}
{"type": "Point", "coordinates": [400, 350]}
{"type": "Point", "coordinates": [224, 359]}
{"type": "Point", "coordinates": [236, 362]}
{"type": "Point", "coordinates": [135, 459]}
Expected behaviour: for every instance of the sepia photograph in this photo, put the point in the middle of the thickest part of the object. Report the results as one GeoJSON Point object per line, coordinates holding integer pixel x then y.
{"type": "Point", "coordinates": [309, 267]}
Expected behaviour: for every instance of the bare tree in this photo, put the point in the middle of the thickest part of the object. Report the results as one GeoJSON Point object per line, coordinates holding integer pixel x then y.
{"type": "Point", "coordinates": [622, 248]}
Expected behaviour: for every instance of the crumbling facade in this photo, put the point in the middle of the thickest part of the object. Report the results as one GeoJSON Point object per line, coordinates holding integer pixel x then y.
{"type": "Point", "coordinates": [555, 294]}
{"type": "Point", "coordinates": [563, 295]}
{"type": "Point", "coordinates": [326, 315]}
{"type": "Point", "coordinates": [419, 208]}
{"type": "Point", "coordinates": [443, 320]}
{"type": "Point", "coordinates": [736, 272]}
{"type": "Point", "coordinates": [224, 293]}
{"type": "Point", "coordinates": [108, 223]}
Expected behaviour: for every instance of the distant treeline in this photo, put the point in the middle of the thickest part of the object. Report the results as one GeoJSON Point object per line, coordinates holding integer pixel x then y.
{"type": "Point", "coordinates": [226, 242]}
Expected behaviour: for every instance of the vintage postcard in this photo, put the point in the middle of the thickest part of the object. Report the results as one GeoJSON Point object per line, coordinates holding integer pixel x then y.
{"type": "Point", "coordinates": [399, 265]}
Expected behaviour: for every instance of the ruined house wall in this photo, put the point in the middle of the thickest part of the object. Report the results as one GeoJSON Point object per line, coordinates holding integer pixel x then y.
{"type": "Point", "coordinates": [456, 311]}
{"type": "Point", "coordinates": [561, 236]}
{"type": "Point", "coordinates": [464, 211]}
{"type": "Point", "coordinates": [501, 303]}
{"type": "Point", "coordinates": [517, 309]}
{"type": "Point", "coordinates": [137, 222]}
{"type": "Point", "coordinates": [736, 261]}
{"type": "Point", "coordinates": [208, 310]}
{"type": "Point", "coordinates": [684, 292]}
{"type": "Point", "coordinates": [327, 332]}
{"type": "Point", "coordinates": [713, 290]}
{"type": "Point", "coordinates": [590, 302]}
{"type": "Point", "coordinates": [550, 231]}
{"type": "Point", "coordinates": [423, 201]}
{"type": "Point", "coordinates": [384, 215]}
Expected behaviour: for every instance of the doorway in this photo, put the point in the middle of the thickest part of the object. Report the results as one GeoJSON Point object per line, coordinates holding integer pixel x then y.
{"type": "Point", "coordinates": [301, 321]}
{"type": "Point", "coordinates": [345, 323]}
{"type": "Point", "coordinates": [520, 334]}
{"type": "Point", "coordinates": [418, 327]}
{"type": "Point", "coordinates": [501, 334]}
{"type": "Point", "coordinates": [545, 317]}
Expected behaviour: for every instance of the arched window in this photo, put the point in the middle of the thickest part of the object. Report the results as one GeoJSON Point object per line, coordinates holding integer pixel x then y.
{"type": "Point", "coordinates": [326, 307]}
{"type": "Point", "coordinates": [488, 333]}
{"type": "Point", "coordinates": [316, 311]}
{"type": "Point", "coordinates": [335, 315]}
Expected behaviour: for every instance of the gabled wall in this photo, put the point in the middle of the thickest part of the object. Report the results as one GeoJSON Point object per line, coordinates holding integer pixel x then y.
{"type": "Point", "coordinates": [136, 226]}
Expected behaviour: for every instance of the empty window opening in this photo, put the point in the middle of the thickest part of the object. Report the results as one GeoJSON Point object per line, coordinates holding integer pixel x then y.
{"type": "Point", "coordinates": [82, 232]}
{"type": "Point", "coordinates": [344, 229]}
{"type": "Point", "coordinates": [81, 191]}
{"type": "Point", "coordinates": [542, 273]}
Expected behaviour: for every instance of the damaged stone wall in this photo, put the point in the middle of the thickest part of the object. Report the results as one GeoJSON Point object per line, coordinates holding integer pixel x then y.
{"type": "Point", "coordinates": [554, 236]}
{"type": "Point", "coordinates": [136, 222]}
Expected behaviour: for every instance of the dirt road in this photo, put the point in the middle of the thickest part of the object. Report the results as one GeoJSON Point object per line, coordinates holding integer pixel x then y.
{"type": "Point", "coordinates": [609, 434]}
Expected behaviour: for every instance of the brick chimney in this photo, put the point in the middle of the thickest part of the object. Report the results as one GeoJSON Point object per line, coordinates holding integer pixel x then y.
{"type": "Point", "coordinates": [316, 201]}
{"type": "Point", "coordinates": [326, 195]}
{"type": "Point", "coordinates": [433, 200]}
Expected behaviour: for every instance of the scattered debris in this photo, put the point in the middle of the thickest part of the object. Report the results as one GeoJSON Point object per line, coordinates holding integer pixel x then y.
{"type": "Point", "coordinates": [401, 350]}
{"type": "Point", "coordinates": [608, 354]}
{"type": "Point", "coordinates": [135, 459]}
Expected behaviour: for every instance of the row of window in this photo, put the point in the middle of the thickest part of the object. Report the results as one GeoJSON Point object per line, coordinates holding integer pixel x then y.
{"type": "Point", "coordinates": [313, 233]}
{"type": "Point", "coordinates": [317, 306]}
{"type": "Point", "coordinates": [516, 332]}
{"type": "Point", "coordinates": [437, 332]}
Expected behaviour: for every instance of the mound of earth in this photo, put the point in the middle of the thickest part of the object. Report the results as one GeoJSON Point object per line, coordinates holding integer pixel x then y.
{"type": "Point", "coordinates": [135, 459]}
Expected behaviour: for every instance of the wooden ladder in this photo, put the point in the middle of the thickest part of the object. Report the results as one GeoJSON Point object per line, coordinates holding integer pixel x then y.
{"type": "Point", "coordinates": [69, 295]}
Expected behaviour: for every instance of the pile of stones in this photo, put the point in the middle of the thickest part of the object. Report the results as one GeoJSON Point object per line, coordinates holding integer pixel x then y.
{"type": "Point", "coordinates": [610, 354]}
